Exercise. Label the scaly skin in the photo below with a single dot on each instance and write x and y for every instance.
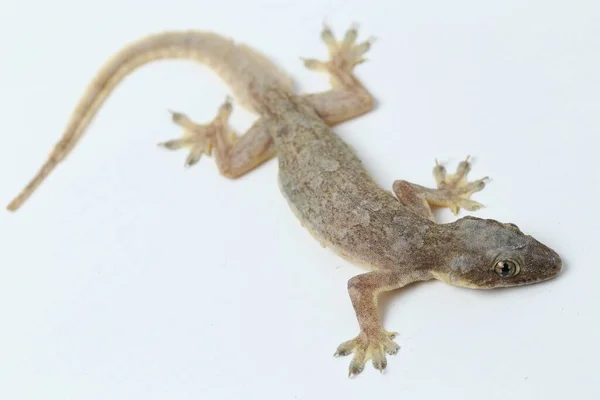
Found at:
(324, 182)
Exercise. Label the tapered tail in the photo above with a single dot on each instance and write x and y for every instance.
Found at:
(240, 66)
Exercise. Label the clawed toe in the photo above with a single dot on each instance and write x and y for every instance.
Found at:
(344, 55)
(455, 189)
(199, 139)
(365, 347)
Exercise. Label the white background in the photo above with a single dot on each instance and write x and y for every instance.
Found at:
(127, 276)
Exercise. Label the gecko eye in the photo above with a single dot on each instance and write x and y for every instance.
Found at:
(506, 268)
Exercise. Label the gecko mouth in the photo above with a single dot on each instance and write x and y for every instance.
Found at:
(552, 273)
(523, 282)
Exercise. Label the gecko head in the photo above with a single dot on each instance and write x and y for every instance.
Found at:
(488, 254)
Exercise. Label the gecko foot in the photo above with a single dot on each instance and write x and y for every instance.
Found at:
(199, 138)
(344, 55)
(455, 190)
(368, 346)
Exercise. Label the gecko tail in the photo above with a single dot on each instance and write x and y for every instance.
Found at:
(238, 65)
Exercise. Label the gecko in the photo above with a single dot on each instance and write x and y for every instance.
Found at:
(391, 233)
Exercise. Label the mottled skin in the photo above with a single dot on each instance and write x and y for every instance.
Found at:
(325, 183)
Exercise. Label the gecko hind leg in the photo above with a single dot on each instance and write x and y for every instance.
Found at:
(348, 98)
(344, 55)
(453, 191)
(234, 155)
(199, 139)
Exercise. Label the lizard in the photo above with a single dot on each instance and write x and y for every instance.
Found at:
(391, 233)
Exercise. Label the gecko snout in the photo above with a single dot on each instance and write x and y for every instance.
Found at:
(558, 264)
(546, 261)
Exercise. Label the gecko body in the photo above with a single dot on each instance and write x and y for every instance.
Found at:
(392, 233)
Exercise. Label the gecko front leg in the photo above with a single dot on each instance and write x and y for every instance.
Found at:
(373, 342)
(453, 191)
